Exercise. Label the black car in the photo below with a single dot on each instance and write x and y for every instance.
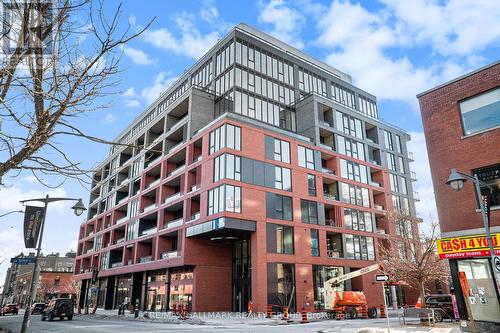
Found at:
(37, 308)
(58, 307)
(443, 306)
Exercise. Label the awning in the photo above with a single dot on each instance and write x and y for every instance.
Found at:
(223, 228)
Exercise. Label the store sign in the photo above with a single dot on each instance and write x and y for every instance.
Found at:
(467, 246)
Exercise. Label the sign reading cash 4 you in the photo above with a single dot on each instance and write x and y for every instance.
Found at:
(467, 246)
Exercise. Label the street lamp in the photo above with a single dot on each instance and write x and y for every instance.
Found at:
(78, 209)
(456, 181)
(14, 211)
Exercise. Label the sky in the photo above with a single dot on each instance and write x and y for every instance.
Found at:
(392, 49)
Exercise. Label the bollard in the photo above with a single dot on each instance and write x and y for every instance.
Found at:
(303, 313)
(285, 313)
(364, 312)
(269, 311)
(382, 311)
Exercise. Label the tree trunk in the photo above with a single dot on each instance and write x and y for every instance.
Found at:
(422, 293)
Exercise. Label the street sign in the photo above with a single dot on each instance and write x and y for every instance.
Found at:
(496, 261)
(381, 278)
(23, 261)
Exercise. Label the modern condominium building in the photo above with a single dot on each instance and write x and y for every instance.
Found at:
(258, 175)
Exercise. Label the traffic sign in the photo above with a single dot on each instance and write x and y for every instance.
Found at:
(496, 261)
(23, 261)
(381, 278)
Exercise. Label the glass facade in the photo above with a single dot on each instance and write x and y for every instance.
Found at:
(181, 287)
(480, 113)
(224, 198)
(156, 291)
(323, 290)
(226, 135)
(279, 239)
(281, 285)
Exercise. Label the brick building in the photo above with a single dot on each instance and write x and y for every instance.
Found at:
(259, 174)
(56, 278)
(462, 128)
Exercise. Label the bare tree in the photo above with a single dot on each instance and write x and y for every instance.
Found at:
(47, 81)
(410, 256)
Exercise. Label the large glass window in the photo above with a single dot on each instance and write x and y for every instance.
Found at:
(324, 292)
(281, 285)
(309, 211)
(227, 166)
(354, 195)
(283, 178)
(391, 161)
(358, 220)
(279, 239)
(354, 171)
(306, 157)
(279, 207)
(226, 135)
(351, 148)
(314, 243)
(359, 247)
(311, 184)
(281, 150)
(349, 125)
(481, 112)
(388, 140)
(224, 198)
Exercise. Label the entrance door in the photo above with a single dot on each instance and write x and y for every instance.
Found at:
(242, 271)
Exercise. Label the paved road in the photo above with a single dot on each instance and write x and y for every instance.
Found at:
(87, 324)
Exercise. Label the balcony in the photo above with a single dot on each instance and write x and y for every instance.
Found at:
(120, 240)
(121, 220)
(154, 183)
(416, 196)
(194, 188)
(116, 264)
(410, 155)
(378, 207)
(332, 223)
(176, 171)
(194, 217)
(333, 254)
(170, 254)
(89, 251)
(413, 176)
(330, 196)
(328, 171)
(196, 159)
(173, 197)
(175, 147)
(174, 223)
(151, 207)
(149, 231)
(376, 184)
(145, 259)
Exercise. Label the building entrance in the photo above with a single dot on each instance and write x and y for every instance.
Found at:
(241, 271)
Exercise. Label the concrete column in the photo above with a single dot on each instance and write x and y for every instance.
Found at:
(394, 297)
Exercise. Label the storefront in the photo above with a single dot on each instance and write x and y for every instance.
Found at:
(123, 290)
(181, 287)
(156, 291)
(323, 291)
(470, 255)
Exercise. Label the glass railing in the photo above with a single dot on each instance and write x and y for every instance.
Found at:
(170, 254)
(149, 208)
(145, 259)
(155, 182)
(173, 224)
(149, 231)
(176, 171)
(333, 254)
(173, 197)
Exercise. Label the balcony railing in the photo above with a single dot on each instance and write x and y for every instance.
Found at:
(149, 208)
(328, 171)
(330, 196)
(194, 188)
(90, 250)
(116, 264)
(416, 196)
(324, 145)
(196, 159)
(175, 147)
(333, 254)
(149, 163)
(122, 200)
(170, 254)
(413, 176)
(173, 197)
(377, 184)
(145, 259)
(410, 155)
(120, 240)
(155, 182)
(194, 217)
(176, 171)
(332, 223)
(378, 207)
(174, 223)
(121, 220)
(149, 231)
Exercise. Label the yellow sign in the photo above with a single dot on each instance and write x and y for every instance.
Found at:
(467, 246)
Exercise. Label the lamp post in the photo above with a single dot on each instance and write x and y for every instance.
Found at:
(14, 211)
(78, 208)
(456, 181)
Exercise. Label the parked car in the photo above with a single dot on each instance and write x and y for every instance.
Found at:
(37, 308)
(58, 307)
(443, 306)
(9, 308)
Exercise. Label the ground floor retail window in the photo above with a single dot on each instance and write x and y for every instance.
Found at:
(324, 293)
(123, 290)
(483, 298)
(155, 292)
(281, 285)
(181, 287)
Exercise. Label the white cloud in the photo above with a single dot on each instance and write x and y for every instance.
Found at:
(209, 12)
(160, 84)
(191, 42)
(130, 92)
(12, 195)
(455, 27)
(109, 119)
(287, 22)
(132, 103)
(137, 56)
(426, 207)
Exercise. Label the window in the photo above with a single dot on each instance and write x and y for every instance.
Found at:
(133, 230)
(394, 182)
(398, 144)
(225, 136)
(401, 164)
(351, 148)
(227, 166)
(224, 198)
(314, 243)
(490, 175)
(311, 184)
(281, 150)
(281, 284)
(354, 195)
(283, 178)
(359, 247)
(404, 187)
(391, 161)
(349, 125)
(279, 207)
(309, 211)
(306, 157)
(480, 113)
(388, 140)
(279, 238)
(358, 220)
(354, 171)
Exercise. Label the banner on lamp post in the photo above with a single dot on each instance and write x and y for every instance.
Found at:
(32, 221)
